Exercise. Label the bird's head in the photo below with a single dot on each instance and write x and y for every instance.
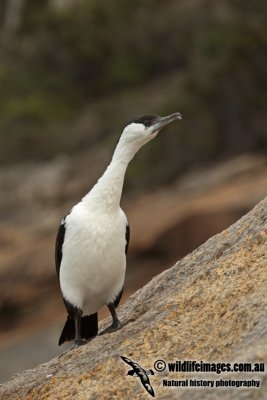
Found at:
(145, 128)
(140, 131)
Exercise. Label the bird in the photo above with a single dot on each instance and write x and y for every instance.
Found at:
(140, 373)
(93, 239)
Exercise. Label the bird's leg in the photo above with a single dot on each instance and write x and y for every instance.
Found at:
(78, 339)
(77, 321)
(116, 324)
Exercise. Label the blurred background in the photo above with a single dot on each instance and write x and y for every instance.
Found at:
(72, 73)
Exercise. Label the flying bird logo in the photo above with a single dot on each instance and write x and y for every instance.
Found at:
(141, 373)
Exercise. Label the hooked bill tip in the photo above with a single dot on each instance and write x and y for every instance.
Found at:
(178, 115)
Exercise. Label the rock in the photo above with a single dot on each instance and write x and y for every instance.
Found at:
(210, 306)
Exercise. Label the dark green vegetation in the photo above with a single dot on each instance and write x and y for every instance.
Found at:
(70, 78)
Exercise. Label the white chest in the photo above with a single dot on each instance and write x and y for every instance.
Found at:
(93, 257)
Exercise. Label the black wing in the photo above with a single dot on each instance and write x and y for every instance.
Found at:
(146, 383)
(127, 237)
(133, 364)
(128, 361)
(59, 244)
(118, 298)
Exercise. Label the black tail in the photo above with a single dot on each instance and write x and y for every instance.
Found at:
(89, 328)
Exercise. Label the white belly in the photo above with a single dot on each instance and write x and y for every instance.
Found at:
(93, 262)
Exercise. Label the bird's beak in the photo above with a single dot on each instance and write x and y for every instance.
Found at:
(161, 122)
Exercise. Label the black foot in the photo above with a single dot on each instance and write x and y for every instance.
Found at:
(113, 327)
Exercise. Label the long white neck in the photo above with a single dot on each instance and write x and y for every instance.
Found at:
(106, 194)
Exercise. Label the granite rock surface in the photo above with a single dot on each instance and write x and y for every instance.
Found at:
(210, 306)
